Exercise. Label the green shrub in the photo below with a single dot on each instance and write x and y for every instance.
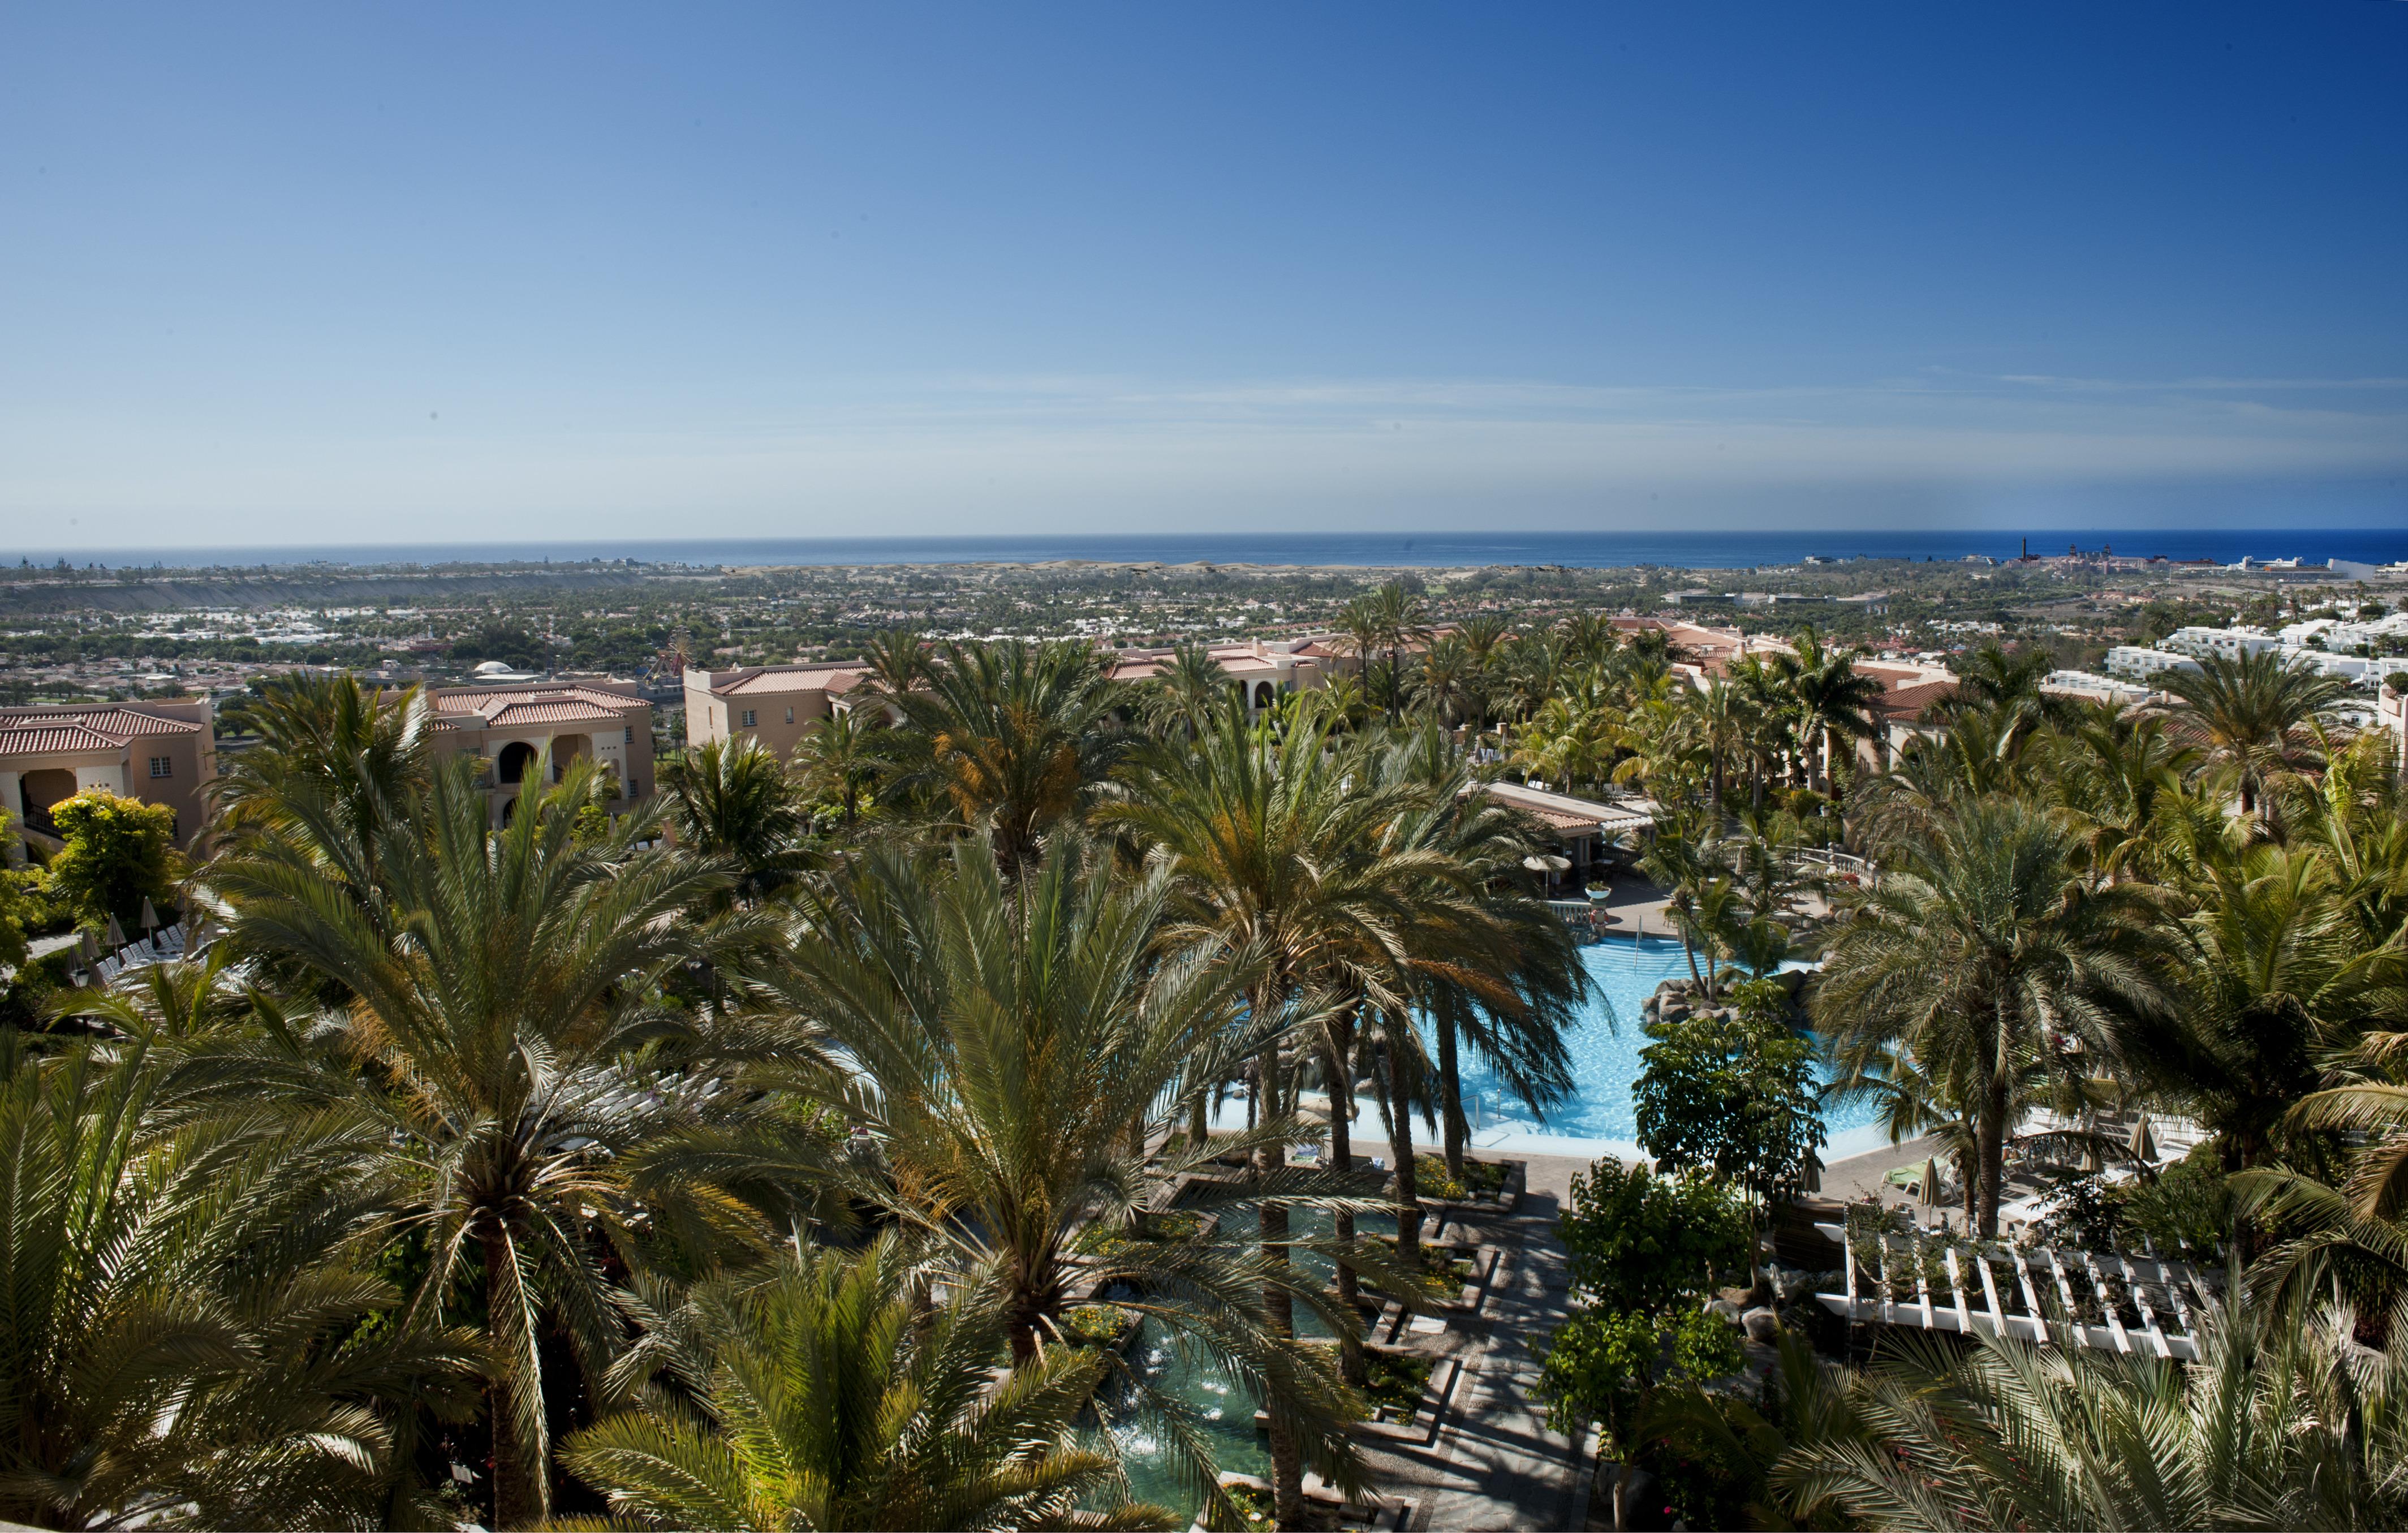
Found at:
(1644, 1242)
(118, 852)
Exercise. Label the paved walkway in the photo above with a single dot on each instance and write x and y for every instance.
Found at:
(1496, 1465)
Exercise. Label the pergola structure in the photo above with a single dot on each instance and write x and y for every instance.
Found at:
(2115, 1301)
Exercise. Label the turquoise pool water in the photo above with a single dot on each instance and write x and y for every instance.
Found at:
(1605, 1061)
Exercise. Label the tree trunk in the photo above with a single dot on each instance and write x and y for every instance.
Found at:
(521, 1492)
(1450, 1098)
(1400, 1145)
(1993, 1151)
(1342, 1156)
(1287, 1465)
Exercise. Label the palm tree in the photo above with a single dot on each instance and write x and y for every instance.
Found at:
(2253, 715)
(1446, 681)
(1012, 1051)
(1493, 966)
(1979, 947)
(365, 750)
(824, 1395)
(733, 799)
(504, 984)
(1012, 734)
(1390, 620)
(2279, 1424)
(337, 768)
(1277, 849)
(1685, 865)
(1834, 700)
(2006, 688)
(192, 1337)
(2273, 974)
(898, 661)
(1190, 692)
(2113, 773)
(841, 758)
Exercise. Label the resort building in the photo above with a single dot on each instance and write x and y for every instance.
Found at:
(510, 726)
(1263, 668)
(159, 752)
(772, 704)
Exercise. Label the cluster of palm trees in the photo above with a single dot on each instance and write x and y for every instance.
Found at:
(769, 1153)
(2198, 904)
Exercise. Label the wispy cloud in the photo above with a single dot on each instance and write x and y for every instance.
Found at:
(955, 452)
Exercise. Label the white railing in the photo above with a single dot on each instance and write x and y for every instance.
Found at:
(1838, 862)
(1902, 1285)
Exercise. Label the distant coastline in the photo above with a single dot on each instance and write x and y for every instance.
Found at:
(1584, 549)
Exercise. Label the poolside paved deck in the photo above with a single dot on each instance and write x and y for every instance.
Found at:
(1496, 1465)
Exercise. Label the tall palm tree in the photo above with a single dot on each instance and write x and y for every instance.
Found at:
(1834, 700)
(1276, 846)
(1494, 968)
(1446, 680)
(733, 799)
(826, 1395)
(192, 1337)
(1012, 1051)
(504, 984)
(1390, 620)
(2253, 715)
(1483, 637)
(2005, 688)
(1981, 944)
(1012, 735)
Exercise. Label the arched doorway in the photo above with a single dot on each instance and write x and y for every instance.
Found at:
(566, 748)
(1263, 694)
(512, 763)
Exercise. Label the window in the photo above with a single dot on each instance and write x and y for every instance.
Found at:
(747, 718)
(163, 766)
(631, 735)
(790, 715)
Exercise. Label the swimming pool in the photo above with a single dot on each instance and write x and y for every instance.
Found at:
(1598, 1119)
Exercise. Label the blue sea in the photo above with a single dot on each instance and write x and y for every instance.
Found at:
(1585, 549)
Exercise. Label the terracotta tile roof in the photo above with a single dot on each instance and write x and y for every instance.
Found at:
(832, 679)
(119, 724)
(500, 709)
(32, 739)
(1906, 704)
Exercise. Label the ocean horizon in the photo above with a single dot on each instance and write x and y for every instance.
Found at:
(1403, 550)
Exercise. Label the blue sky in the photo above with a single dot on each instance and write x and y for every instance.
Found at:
(365, 273)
